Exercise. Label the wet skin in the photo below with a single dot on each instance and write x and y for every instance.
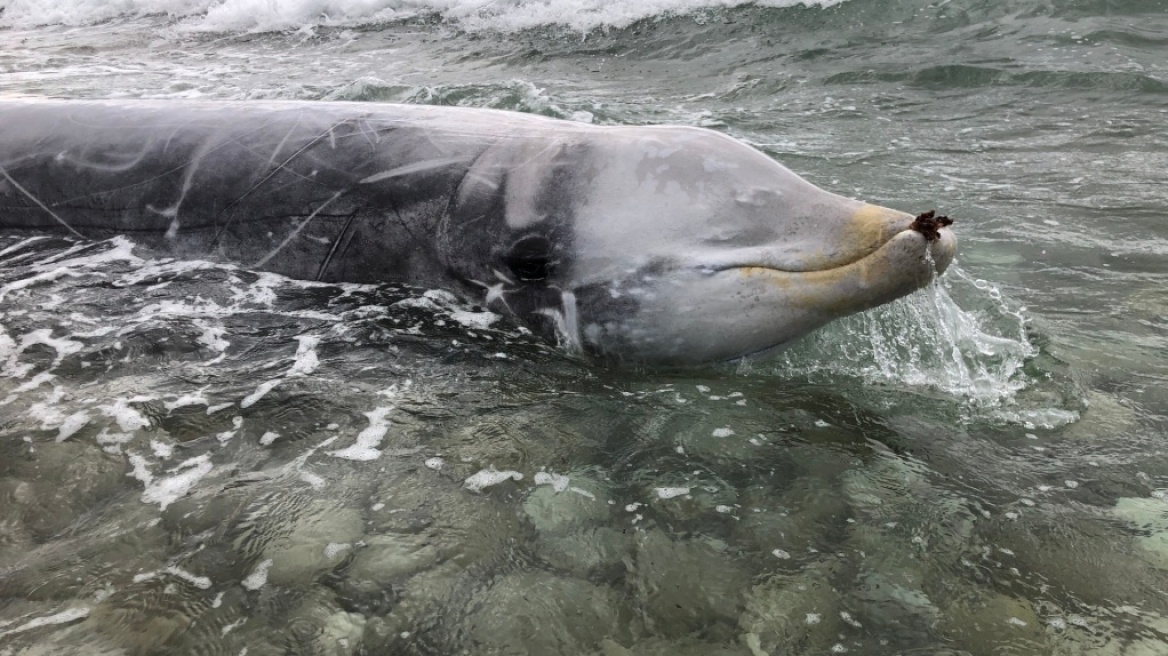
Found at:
(636, 245)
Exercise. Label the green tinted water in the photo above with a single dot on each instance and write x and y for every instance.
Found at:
(199, 459)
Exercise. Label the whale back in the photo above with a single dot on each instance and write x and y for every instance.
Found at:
(327, 192)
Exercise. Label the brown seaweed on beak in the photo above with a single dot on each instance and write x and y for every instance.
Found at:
(928, 224)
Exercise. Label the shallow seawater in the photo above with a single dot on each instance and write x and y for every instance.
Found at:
(200, 459)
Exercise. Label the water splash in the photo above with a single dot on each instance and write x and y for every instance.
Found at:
(974, 350)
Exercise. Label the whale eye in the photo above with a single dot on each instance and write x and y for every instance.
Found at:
(530, 258)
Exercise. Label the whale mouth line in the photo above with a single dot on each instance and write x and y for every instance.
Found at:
(929, 228)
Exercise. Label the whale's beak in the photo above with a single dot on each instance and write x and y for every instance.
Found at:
(943, 249)
(874, 226)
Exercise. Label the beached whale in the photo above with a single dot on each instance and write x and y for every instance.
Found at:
(642, 245)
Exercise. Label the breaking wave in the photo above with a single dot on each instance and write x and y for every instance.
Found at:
(276, 15)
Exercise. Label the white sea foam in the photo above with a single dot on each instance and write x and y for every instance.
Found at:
(489, 477)
(63, 617)
(274, 15)
(128, 419)
(200, 582)
(306, 358)
(10, 355)
(261, 292)
(193, 398)
(68, 263)
(112, 443)
(165, 491)
(369, 439)
(212, 337)
(72, 424)
(671, 492)
(258, 577)
(261, 390)
(140, 469)
(441, 301)
(63, 346)
(31, 384)
(161, 449)
(559, 482)
(47, 410)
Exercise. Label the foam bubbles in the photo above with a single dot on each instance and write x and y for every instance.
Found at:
(64, 347)
(489, 478)
(281, 15)
(72, 424)
(559, 482)
(258, 577)
(260, 392)
(184, 400)
(200, 582)
(306, 359)
(167, 490)
(127, 418)
(63, 617)
(369, 439)
(671, 492)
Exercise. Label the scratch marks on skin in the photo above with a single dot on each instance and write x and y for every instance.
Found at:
(206, 150)
(282, 166)
(344, 236)
(188, 176)
(366, 130)
(36, 200)
(497, 291)
(295, 233)
(119, 167)
(418, 167)
(280, 146)
(571, 321)
(567, 322)
(478, 177)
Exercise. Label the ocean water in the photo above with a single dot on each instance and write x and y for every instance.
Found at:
(200, 459)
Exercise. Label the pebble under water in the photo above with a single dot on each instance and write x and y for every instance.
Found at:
(200, 459)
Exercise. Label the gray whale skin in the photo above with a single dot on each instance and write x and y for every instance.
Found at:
(637, 245)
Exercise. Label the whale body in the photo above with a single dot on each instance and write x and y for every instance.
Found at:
(659, 245)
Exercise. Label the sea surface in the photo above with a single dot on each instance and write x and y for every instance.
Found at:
(200, 459)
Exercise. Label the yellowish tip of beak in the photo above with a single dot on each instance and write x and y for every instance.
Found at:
(870, 227)
(869, 213)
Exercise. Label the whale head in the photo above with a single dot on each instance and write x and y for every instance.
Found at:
(676, 246)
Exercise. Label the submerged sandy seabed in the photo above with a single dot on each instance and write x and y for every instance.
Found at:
(201, 459)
